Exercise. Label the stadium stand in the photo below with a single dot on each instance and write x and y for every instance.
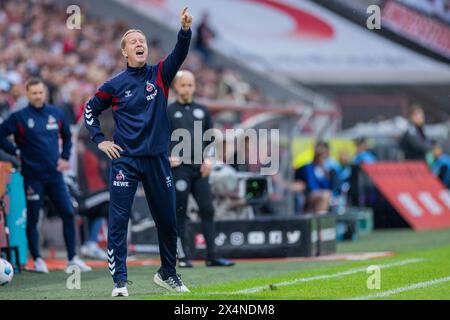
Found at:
(35, 42)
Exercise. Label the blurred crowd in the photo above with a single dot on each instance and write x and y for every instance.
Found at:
(327, 184)
(34, 41)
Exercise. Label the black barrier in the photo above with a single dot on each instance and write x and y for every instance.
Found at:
(264, 237)
(327, 234)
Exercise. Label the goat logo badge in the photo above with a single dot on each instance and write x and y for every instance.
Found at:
(120, 180)
(151, 89)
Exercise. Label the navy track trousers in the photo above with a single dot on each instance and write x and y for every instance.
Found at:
(156, 177)
(56, 189)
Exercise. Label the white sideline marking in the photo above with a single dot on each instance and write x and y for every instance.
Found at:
(403, 289)
(328, 276)
(313, 278)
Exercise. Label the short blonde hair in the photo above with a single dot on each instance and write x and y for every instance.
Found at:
(123, 41)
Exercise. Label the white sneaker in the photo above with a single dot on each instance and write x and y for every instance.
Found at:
(84, 250)
(172, 283)
(93, 251)
(76, 261)
(120, 289)
(40, 266)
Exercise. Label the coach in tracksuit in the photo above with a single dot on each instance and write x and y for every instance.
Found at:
(37, 129)
(138, 97)
(191, 171)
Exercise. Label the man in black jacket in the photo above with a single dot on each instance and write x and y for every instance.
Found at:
(191, 171)
(414, 142)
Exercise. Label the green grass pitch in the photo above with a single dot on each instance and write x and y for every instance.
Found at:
(419, 270)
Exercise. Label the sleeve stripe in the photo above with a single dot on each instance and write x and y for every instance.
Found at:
(103, 95)
(159, 81)
(115, 103)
